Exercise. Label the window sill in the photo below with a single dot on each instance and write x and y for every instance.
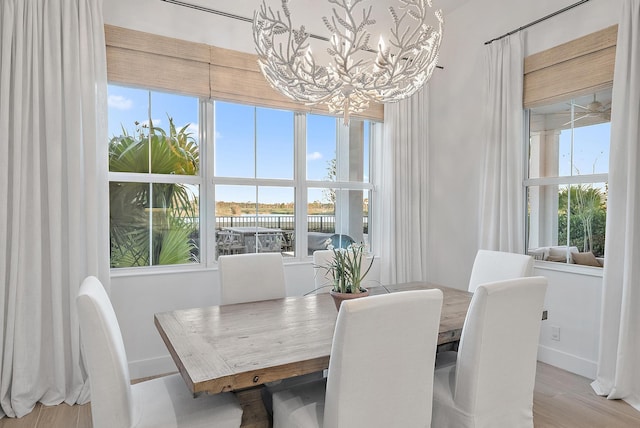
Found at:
(156, 270)
(190, 268)
(570, 268)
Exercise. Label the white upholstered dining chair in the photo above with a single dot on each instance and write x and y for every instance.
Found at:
(161, 402)
(491, 266)
(490, 381)
(321, 276)
(251, 277)
(380, 369)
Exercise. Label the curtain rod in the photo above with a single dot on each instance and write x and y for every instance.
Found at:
(544, 18)
(226, 14)
(245, 19)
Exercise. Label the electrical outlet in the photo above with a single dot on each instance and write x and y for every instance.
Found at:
(555, 332)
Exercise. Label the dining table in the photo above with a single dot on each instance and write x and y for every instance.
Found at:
(235, 347)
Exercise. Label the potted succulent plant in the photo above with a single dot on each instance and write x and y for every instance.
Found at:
(346, 270)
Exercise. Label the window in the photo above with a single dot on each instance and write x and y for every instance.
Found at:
(568, 147)
(567, 178)
(263, 179)
(154, 178)
(338, 177)
(288, 182)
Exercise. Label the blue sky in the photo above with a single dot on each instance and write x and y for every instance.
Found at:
(128, 105)
(235, 132)
(590, 150)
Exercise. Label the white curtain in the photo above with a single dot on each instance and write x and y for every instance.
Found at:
(403, 190)
(502, 195)
(618, 364)
(53, 188)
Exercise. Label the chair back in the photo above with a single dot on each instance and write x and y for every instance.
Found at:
(496, 365)
(491, 266)
(382, 361)
(251, 277)
(105, 358)
(341, 241)
(322, 277)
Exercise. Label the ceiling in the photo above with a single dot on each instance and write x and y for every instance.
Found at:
(603, 96)
(586, 112)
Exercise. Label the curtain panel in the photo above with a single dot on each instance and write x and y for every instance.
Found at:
(53, 184)
(618, 375)
(403, 195)
(502, 192)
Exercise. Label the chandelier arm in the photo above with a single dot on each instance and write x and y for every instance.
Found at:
(430, 62)
(392, 85)
(341, 35)
(344, 4)
(341, 50)
(392, 61)
(405, 35)
(289, 26)
(275, 18)
(353, 39)
(350, 24)
(401, 65)
(362, 41)
(295, 48)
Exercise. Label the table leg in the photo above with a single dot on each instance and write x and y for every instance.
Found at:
(254, 413)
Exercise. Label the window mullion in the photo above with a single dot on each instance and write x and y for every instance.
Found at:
(208, 203)
(134, 177)
(575, 179)
(340, 184)
(300, 183)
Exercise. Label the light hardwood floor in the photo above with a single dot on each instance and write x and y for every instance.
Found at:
(561, 399)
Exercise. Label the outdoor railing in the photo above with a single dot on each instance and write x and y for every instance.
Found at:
(316, 223)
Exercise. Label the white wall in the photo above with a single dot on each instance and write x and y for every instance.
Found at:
(573, 304)
(158, 17)
(458, 113)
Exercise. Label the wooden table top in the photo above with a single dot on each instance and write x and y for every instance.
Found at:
(231, 347)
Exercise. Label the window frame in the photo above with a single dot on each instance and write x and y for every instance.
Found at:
(567, 180)
(155, 178)
(207, 182)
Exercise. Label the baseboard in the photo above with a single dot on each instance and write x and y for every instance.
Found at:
(151, 367)
(568, 362)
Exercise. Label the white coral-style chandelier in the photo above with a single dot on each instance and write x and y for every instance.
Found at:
(357, 74)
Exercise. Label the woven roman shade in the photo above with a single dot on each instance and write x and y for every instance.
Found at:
(575, 68)
(163, 63)
(157, 62)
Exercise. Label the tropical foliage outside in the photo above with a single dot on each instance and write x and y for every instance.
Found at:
(153, 223)
(587, 217)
